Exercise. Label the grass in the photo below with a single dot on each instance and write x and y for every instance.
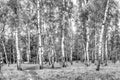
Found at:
(77, 71)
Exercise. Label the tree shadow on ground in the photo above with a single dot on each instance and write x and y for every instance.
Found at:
(52, 68)
(31, 68)
(44, 67)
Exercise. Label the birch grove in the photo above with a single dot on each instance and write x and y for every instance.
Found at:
(59, 31)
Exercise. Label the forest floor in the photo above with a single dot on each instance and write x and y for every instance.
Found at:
(77, 71)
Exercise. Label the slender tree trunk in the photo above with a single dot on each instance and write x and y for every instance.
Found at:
(62, 47)
(63, 37)
(12, 47)
(18, 51)
(39, 35)
(52, 58)
(87, 40)
(101, 36)
(71, 55)
(87, 46)
(1, 60)
(106, 52)
(49, 56)
(28, 52)
(13, 56)
(6, 57)
(85, 58)
(14, 59)
(71, 43)
(103, 50)
(95, 46)
(10, 58)
(53, 52)
(93, 57)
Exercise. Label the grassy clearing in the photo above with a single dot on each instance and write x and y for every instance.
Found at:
(78, 71)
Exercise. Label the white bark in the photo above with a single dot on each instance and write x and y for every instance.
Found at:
(87, 45)
(95, 46)
(102, 30)
(62, 44)
(62, 41)
(101, 36)
(106, 51)
(28, 51)
(39, 35)
(17, 50)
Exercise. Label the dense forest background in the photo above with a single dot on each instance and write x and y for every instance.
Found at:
(38, 31)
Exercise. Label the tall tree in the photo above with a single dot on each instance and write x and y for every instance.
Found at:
(87, 36)
(14, 4)
(40, 52)
(101, 35)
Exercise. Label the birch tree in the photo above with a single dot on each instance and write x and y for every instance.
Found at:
(101, 36)
(40, 47)
(14, 5)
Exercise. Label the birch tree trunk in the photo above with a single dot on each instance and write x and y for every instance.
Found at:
(87, 41)
(71, 43)
(103, 50)
(18, 51)
(39, 35)
(14, 59)
(62, 47)
(101, 36)
(95, 47)
(53, 52)
(87, 46)
(71, 55)
(28, 51)
(106, 52)
(13, 50)
(62, 41)
(52, 58)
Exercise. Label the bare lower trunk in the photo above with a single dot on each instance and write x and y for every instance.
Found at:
(95, 47)
(52, 58)
(100, 49)
(103, 50)
(14, 56)
(62, 47)
(85, 53)
(93, 57)
(18, 51)
(101, 37)
(28, 52)
(87, 47)
(53, 52)
(71, 43)
(49, 56)
(106, 53)
(71, 55)
(10, 58)
(12, 48)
